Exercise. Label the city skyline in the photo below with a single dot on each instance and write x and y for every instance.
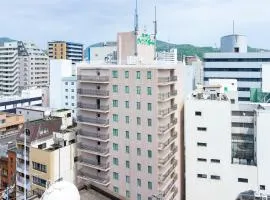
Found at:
(200, 22)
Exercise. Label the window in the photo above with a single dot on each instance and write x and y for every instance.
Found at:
(138, 75)
(66, 83)
(66, 97)
(149, 75)
(115, 117)
(139, 182)
(201, 160)
(126, 89)
(150, 185)
(115, 88)
(138, 105)
(72, 97)
(115, 74)
(39, 181)
(139, 136)
(215, 161)
(149, 122)
(149, 138)
(139, 167)
(138, 89)
(72, 83)
(243, 180)
(200, 144)
(39, 167)
(127, 119)
(73, 104)
(215, 177)
(115, 103)
(72, 90)
(138, 121)
(139, 197)
(126, 74)
(127, 134)
(115, 161)
(201, 128)
(127, 164)
(127, 149)
(262, 187)
(115, 176)
(66, 90)
(115, 132)
(139, 152)
(149, 91)
(201, 175)
(149, 153)
(127, 179)
(232, 101)
(149, 169)
(115, 189)
(115, 147)
(198, 113)
(127, 193)
(127, 104)
(149, 106)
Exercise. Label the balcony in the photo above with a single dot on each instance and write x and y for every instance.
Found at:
(20, 182)
(164, 128)
(174, 193)
(167, 95)
(93, 107)
(93, 121)
(164, 160)
(20, 168)
(93, 79)
(93, 164)
(163, 177)
(97, 150)
(20, 154)
(93, 93)
(167, 80)
(163, 145)
(167, 111)
(102, 180)
(168, 188)
(93, 136)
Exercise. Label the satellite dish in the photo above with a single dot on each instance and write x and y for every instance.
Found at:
(61, 190)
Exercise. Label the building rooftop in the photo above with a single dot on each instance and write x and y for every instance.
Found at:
(70, 78)
(36, 108)
(237, 55)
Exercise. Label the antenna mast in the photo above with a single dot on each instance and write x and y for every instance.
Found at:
(233, 27)
(155, 29)
(136, 27)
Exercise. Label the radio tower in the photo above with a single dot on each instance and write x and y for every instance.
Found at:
(136, 27)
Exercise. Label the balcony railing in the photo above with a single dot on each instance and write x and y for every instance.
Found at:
(164, 128)
(103, 180)
(166, 111)
(167, 95)
(104, 151)
(93, 106)
(93, 78)
(163, 145)
(20, 167)
(89, 120)
(167, 79)
(20, 154)
(164, 160)
(168, 188)
(163, 177)
(94, 164)
(97, 135)
(90, 92)
(175, 191)
(20, 181)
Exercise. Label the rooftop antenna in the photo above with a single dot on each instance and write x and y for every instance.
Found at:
(233, 27)
(136, 26)
(155, 29)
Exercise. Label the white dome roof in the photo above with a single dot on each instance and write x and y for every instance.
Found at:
(61, 190)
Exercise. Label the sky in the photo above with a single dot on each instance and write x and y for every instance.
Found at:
(197, 22)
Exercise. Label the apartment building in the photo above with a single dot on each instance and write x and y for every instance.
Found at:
(225, 144)
(128, 129)
(66, 50)
(22, 65)
(63, 89)
(10, 124)
(51, 160)
(234, 62)
(31, 131)
(7, 170)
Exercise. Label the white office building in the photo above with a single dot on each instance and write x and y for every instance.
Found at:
(63, 89)
(169, 57)
(128, 129)
(225, 145)
(234, 62)
(22, 65)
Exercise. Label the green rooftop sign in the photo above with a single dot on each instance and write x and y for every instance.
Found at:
(145, 39)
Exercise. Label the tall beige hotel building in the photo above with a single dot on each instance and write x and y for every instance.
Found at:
(128, 123)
